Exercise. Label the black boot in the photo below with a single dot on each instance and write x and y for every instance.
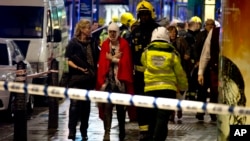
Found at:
(84, 136)
(200, 116)
(73, 119)
(72, 135)
(121, 115)
(122, 133)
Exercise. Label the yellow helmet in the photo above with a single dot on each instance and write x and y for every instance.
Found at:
(195, 19)
(132, 22)
(115, 19)
(146, 6)
(127, 18)
(101, 21)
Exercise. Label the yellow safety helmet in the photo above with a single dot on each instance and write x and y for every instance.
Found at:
(127, 18)
(101, 21)
(146, 6)
(195, 19)
(115, 19)
(132, 22)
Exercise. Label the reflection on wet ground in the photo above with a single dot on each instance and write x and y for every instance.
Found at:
(187, 129)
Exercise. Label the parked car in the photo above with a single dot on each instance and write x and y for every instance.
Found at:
(10, 55)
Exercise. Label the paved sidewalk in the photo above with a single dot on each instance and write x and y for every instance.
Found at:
(189, 129)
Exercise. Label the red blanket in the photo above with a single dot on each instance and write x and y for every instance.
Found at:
(125, 68)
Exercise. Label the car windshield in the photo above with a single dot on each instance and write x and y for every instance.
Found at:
(21, 22)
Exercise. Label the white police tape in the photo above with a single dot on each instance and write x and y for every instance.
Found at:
(123, 99)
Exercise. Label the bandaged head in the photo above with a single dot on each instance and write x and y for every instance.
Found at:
(111, 28)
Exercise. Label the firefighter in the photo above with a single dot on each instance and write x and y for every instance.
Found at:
(126, 20)
(194, 26)
(141, 36)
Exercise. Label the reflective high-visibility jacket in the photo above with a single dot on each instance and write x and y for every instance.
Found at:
(103, 36)
(163, 68)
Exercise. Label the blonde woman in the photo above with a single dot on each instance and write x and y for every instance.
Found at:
(81, 54)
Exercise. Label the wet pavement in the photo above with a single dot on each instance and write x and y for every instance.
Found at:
(186, 129)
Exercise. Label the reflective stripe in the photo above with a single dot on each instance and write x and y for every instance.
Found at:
(140, 68)
(159, 71)
(143, 128)
(159, 83)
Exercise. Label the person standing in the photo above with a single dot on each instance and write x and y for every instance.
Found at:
(183, 49)
(202, 93)
(140, 37)
(127, 19)
(194, 26)
(114, 74)
(210, 58)
(162, 62)
(81, 60)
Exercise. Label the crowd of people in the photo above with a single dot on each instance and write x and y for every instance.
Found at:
(142, 57)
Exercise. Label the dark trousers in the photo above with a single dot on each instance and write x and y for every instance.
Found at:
(192, 84)
(79, 110)
(142, 115)
(202, 93)
(214, 87)
(158, 118)
(121, 115)
(214, 93)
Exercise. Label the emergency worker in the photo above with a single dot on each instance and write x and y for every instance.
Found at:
(194, 26)
(141, 36)
(162, 62)
(127, 20)
(197, 22)
(115, 19)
